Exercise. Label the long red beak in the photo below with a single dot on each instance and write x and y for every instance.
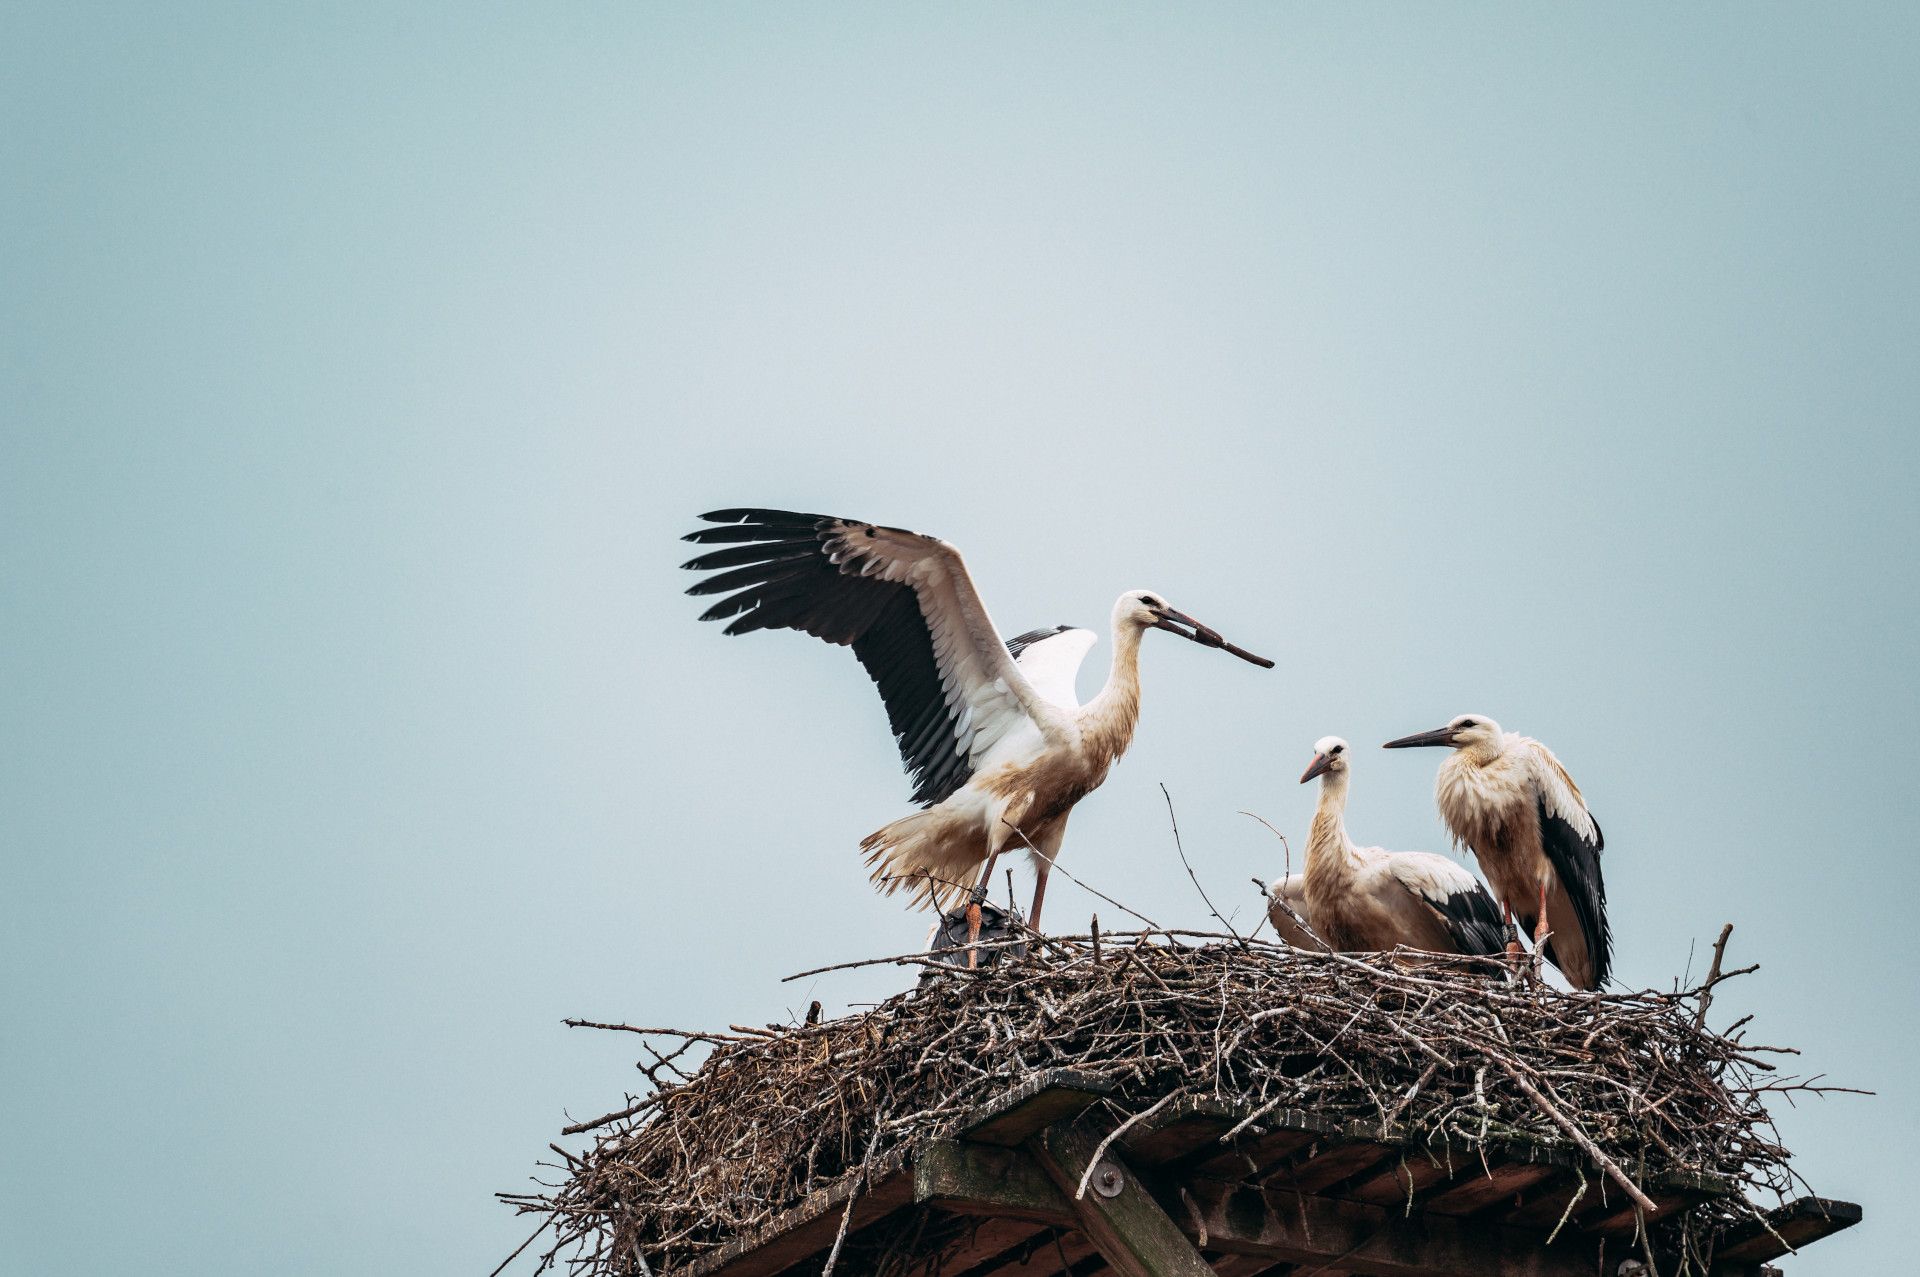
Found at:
(1318, 766)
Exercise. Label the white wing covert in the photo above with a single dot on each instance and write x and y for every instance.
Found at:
(1051, 660)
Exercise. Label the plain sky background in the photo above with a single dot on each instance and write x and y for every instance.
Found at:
(359, 367)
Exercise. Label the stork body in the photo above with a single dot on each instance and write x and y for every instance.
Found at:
(1288, 908)
(1507, 798)
(992, 733)
(1367, 899)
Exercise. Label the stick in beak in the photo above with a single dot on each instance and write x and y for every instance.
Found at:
(1172, 621)
(1315, 768)
(1439, 736)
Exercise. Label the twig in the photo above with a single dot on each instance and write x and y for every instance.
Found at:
(1713, 977)
(1100, 1149)
(853, 1195)
(1054, 864)
(1580, 1137)
(1175, 822)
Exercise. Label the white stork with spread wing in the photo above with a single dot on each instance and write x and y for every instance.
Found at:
(1507, 798)
(1364, 899)
(997, 744)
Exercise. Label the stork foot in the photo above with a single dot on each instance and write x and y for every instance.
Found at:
(976, 937)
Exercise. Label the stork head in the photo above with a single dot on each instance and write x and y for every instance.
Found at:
(1468, 731)
(1329, 759)
(1147, 610)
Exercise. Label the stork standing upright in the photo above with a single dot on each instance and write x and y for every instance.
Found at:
(999, 748)
(1367, 899)
(1507, 798)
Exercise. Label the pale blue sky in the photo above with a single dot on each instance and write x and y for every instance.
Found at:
(360, 365)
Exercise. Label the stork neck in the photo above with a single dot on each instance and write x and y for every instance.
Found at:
(1327, 839)
(1111, 715)
(1484, 753)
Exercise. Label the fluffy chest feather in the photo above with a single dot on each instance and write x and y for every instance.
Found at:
(1490, 809)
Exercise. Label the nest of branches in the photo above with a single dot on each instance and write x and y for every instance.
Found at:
(741, 1126)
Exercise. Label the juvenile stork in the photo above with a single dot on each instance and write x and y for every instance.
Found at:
(1507, 798)
(1287, 909)
(1366, 899)
(999, 748)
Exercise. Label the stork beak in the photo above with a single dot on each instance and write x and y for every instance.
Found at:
(1439, 736)
(1317, 767)
(1187, 628)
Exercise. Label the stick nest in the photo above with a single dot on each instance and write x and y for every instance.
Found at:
(723, 1144)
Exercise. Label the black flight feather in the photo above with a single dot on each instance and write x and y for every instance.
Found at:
(1577, 864)
(775, 574)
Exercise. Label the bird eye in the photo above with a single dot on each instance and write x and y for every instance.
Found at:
(1468, 722)
(1149, 600)
(1336, 749)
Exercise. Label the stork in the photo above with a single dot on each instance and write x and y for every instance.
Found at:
(1506, 797)
(996, 742)
(1287, 909)
(1367, 899)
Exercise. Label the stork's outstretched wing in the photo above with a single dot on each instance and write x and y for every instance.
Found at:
(904, 602)
(1572, 841)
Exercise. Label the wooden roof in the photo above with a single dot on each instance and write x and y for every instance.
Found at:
(1284, 1192)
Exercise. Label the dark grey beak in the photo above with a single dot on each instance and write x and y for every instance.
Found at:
(1439, 736)
(1187, 628)
(1317, 767)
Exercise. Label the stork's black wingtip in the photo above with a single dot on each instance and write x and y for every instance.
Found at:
(726, 516)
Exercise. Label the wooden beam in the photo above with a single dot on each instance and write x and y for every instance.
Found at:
(810, 1227)
(1306, 1229)
(1671, 1194)
(986, 1180)
(1798, 1223)
(1500, 1173)
(1013, 1116)
(988, 1248)
(1181, 1129)
(1117, 1210)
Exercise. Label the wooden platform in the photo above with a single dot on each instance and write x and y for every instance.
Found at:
(1204, 1188)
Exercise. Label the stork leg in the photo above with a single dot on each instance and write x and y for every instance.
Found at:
(1040, 871)
(1540, 931)
(1513, 935)
(974, 899)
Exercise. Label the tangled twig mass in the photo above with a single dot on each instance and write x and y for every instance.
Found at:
(720, 1147)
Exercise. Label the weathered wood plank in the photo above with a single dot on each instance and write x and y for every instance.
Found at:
(1504, 1173)
(810, 1227)
(1375, 1240)
(991, 1245)
(1244, 1265)
(1332, 1162)
(1049, 1097)
(1798, 1223)
(1273, 1139)
(1118, 1212)
(985, 1179)
(1671, 1194)
(1404, 1179)
(1181, 1129)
